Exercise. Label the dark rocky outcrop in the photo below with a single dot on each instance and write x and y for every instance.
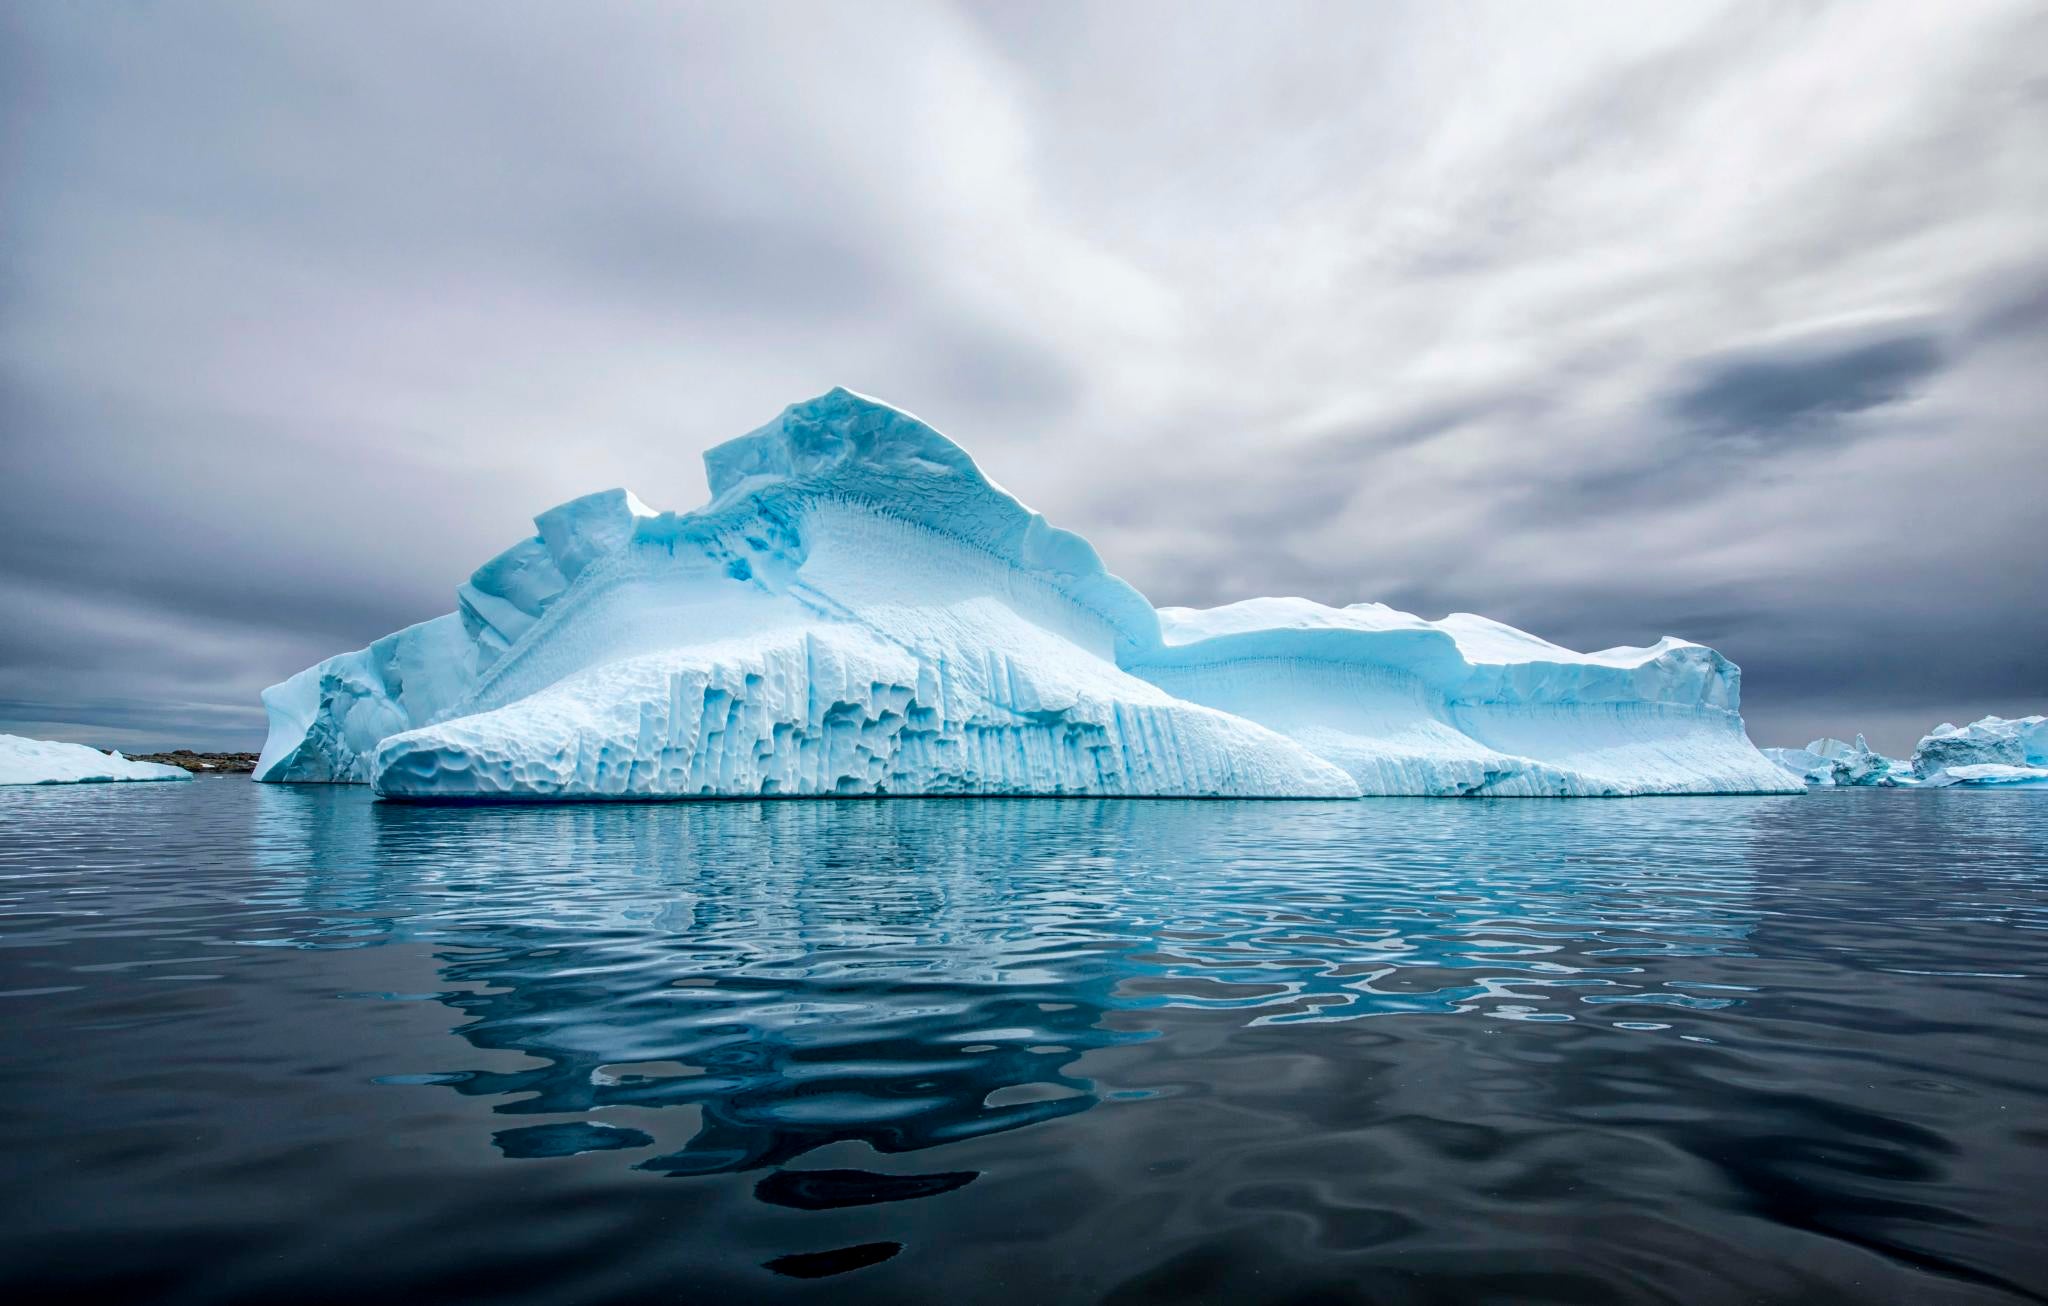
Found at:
(201, 763)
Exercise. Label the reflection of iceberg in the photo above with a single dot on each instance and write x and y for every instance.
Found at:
(765, 986)
(913, 974)
(861, 610)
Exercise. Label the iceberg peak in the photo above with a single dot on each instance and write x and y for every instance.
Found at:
(851, 448)
(815, 437)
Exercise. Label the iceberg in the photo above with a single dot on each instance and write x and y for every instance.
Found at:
(861, 610)
(1834, 762)
(46, 762)
(1991, 751)
(858, 610)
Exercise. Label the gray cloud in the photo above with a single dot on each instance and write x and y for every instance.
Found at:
(1775, 391)
(1607, 321)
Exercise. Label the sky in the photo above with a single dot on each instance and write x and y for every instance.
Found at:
(1608, 321)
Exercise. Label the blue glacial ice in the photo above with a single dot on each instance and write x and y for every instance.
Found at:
(861, 610)
(1465, 705)
(1826, 763)
(26, 761)
(1990, 751)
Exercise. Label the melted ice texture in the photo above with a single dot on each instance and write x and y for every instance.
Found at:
(46, 762)
(860, 610)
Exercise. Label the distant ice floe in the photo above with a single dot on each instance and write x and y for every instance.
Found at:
(47, 762)
(860, 610)
(1989, 752)
(1831, 762)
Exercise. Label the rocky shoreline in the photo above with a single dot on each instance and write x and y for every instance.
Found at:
(201, 763)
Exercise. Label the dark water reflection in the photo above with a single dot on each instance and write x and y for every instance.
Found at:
(273, 1043)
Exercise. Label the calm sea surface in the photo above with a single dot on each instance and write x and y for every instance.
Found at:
(277, 1045)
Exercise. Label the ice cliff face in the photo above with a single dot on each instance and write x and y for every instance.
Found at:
(860, 610)
(47, 762)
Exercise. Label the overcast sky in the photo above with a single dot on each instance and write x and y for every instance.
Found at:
(1609, 321)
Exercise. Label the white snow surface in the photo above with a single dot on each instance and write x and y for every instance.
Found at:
(46, 762)
(860, 610)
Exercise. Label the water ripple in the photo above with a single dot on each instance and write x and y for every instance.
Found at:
(1691, 1050)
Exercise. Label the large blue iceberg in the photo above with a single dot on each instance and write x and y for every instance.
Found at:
(860, 610)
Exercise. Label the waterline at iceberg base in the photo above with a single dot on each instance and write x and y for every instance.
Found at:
(859, 610)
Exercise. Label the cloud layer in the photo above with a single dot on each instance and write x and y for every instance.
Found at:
(1608, 321)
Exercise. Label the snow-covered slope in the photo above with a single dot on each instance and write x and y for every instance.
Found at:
(1466, 705)
(860, 610)
(47, 762)
(1835, 762)
(1989, 751)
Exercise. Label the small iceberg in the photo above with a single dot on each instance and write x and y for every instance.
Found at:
(1827, 763)
(1993, 750)
(47, 762)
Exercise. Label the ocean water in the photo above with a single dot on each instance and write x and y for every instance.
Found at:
(271, 1044)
